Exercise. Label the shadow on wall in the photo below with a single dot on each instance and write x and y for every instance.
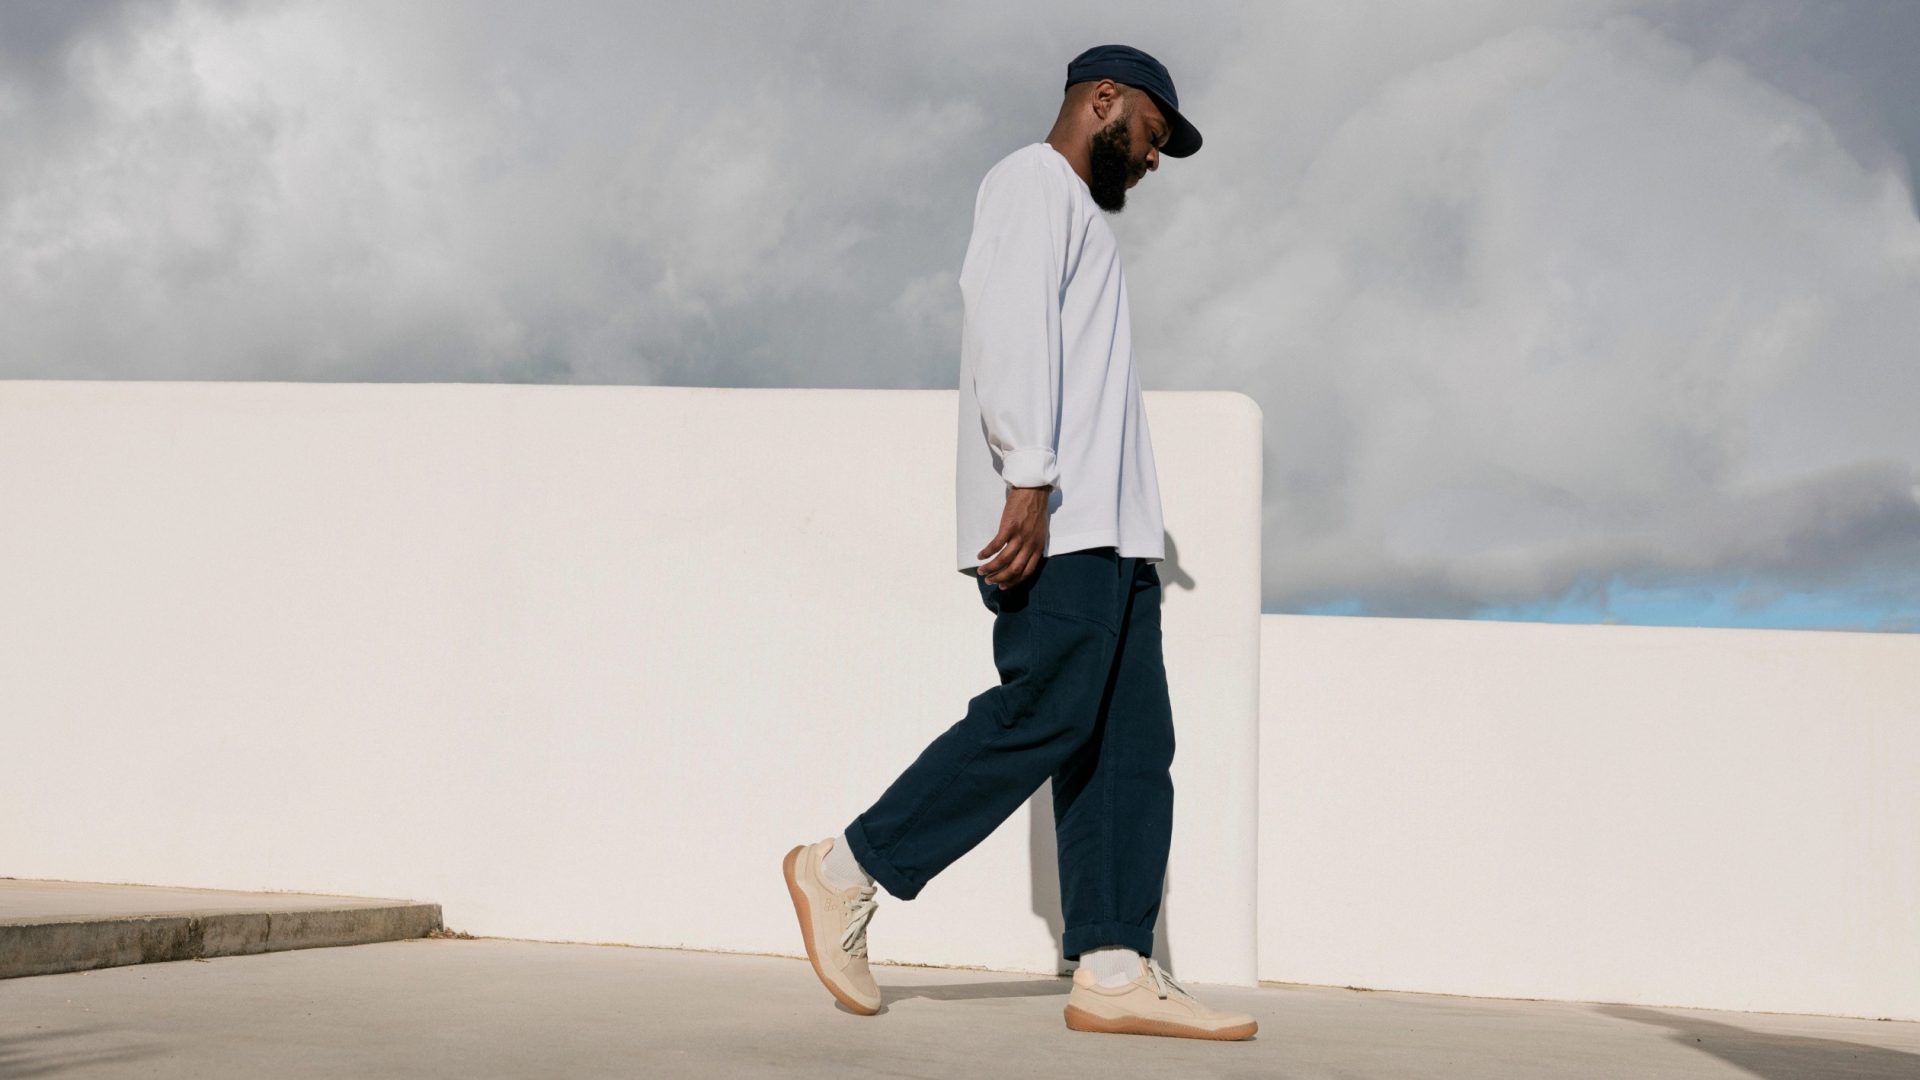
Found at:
(1171, 576)
(1045, 874)
(1042, 851)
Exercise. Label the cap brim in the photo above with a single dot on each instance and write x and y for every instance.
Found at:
(1182, 137)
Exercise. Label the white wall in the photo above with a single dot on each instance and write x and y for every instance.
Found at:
(575, 662)
(583, 662)
(1688, 817)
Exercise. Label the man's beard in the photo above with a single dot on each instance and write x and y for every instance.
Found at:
(1110, 161)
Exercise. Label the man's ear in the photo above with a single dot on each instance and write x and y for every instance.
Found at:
(1105, 97)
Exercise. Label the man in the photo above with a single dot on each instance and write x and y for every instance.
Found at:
(1059, 517)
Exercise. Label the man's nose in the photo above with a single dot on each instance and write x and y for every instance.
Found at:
(1153, 158)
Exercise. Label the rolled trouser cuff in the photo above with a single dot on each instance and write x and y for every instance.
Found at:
(1079, 939)
(898, 885)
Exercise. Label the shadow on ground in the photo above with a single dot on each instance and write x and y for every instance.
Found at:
(42, 1053)
(1775, 1056)
(1038, 987)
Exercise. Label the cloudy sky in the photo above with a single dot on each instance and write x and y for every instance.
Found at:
(1583, 311)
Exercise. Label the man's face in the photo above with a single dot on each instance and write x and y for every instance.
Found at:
(1126, 150)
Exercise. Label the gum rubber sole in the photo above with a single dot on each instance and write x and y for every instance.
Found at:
(805, 911)
(1080, 1019)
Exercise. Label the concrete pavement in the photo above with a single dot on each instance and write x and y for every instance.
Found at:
(496, 1008)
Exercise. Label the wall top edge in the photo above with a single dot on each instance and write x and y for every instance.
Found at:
(1514, 626)
(282, 384)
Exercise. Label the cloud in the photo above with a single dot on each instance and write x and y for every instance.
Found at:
(1562, 303)
(1853, 62)
(1534, 297)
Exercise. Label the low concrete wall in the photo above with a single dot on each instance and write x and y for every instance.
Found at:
(577, 663)
(1718, 818)
(582, 663)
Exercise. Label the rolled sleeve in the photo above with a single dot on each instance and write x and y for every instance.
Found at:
(1029, 468)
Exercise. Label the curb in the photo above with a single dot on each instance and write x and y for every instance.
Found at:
(50, 946)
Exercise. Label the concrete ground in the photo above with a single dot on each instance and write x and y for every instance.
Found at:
(495, 1008)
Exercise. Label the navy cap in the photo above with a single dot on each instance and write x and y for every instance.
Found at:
(1129, 66)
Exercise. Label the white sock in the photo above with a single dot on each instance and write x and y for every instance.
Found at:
(840, 868)
(1112, 965)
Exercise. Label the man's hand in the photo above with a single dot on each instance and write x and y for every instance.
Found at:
(1023, 531)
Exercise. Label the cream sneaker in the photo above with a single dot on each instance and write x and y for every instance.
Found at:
(834, 924)
(1152, 1004)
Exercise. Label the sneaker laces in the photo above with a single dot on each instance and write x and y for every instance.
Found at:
(854, 939)
(1161, 980)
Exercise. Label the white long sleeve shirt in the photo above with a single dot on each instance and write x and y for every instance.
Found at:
(1048, 391)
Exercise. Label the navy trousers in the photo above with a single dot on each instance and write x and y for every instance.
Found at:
(1082, 700)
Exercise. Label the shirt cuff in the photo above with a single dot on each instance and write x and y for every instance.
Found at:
(1029, 468)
